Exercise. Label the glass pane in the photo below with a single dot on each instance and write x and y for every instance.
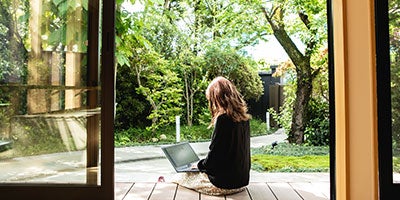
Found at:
(394, 31)
(49, 110)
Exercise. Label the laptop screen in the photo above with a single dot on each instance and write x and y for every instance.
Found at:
(181, 154)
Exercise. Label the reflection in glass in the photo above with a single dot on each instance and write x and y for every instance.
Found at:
(49, 110)
(394, 31)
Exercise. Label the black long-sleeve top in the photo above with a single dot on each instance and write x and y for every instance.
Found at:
(228, 162)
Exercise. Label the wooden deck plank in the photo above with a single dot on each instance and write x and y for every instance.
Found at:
(139, 191)
(260, 191)
(308, 191)
(239, 196)
(283, 191)
(183, 193)
(209, 197)
(121, 189)
(324, 187)
(255, 191)
(164, 191)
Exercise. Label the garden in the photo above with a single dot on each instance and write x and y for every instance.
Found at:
(167, 53)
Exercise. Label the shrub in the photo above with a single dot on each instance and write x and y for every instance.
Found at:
(258, 127)
(396, 164)
(286, 149)
(195, 133)
(317, 126)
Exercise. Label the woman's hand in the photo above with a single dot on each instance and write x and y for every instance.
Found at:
(194, 165)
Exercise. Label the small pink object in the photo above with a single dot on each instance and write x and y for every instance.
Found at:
(161, 179)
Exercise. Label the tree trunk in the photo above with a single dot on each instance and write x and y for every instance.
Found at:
(153, 104)
(304, 74)
(37, 74)
(190, 122)
(299, 116)
(304, 80)
(187, 96)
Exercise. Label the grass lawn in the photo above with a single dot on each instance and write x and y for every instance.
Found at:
(396, 163)
(290, 158)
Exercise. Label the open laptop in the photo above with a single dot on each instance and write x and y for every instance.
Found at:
(181, 156)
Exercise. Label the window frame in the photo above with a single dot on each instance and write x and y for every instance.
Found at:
(106, 10)
(387, 188)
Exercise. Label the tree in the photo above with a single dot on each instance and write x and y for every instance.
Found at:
(307, 20)
(192, 70)
(198, 40)
(13, 53)
(217, 26)
(240, 70)
(154, 78)
(161, 87)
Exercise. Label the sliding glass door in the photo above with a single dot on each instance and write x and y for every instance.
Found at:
(56, 107)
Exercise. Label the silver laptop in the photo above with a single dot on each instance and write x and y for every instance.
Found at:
(181, 156)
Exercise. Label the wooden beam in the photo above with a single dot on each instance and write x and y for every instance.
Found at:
(355, 96)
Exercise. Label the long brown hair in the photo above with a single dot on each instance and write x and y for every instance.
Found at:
(223, 97)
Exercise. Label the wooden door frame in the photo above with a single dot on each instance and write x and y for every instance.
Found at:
(108, 76)
(356, 146)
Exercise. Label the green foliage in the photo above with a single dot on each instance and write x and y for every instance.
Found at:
(283, 116)
(317, 125)
(132, 136)
(161, 88)
(138, 136)
(163, 35)
(242, 71)
(195, 133)
(64, 24)
(396, 164)
(12, 51)
(273, 163)
(291, 158)
(231, 23)
(34, 137)
(158, 41)
(307, 21)
(258, 127)
(164, 94)
(152, 76)
(286, 149)
(193, 75)
(394, 16)
(4, 120)
(205, 116)
(132, 108)
(160, 44)
(316, 14)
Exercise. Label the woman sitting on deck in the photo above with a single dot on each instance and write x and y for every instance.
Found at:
(226, 169)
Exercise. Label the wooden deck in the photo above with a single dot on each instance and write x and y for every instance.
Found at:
(254, 191)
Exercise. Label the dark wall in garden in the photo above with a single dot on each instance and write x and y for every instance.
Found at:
(272, 97)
